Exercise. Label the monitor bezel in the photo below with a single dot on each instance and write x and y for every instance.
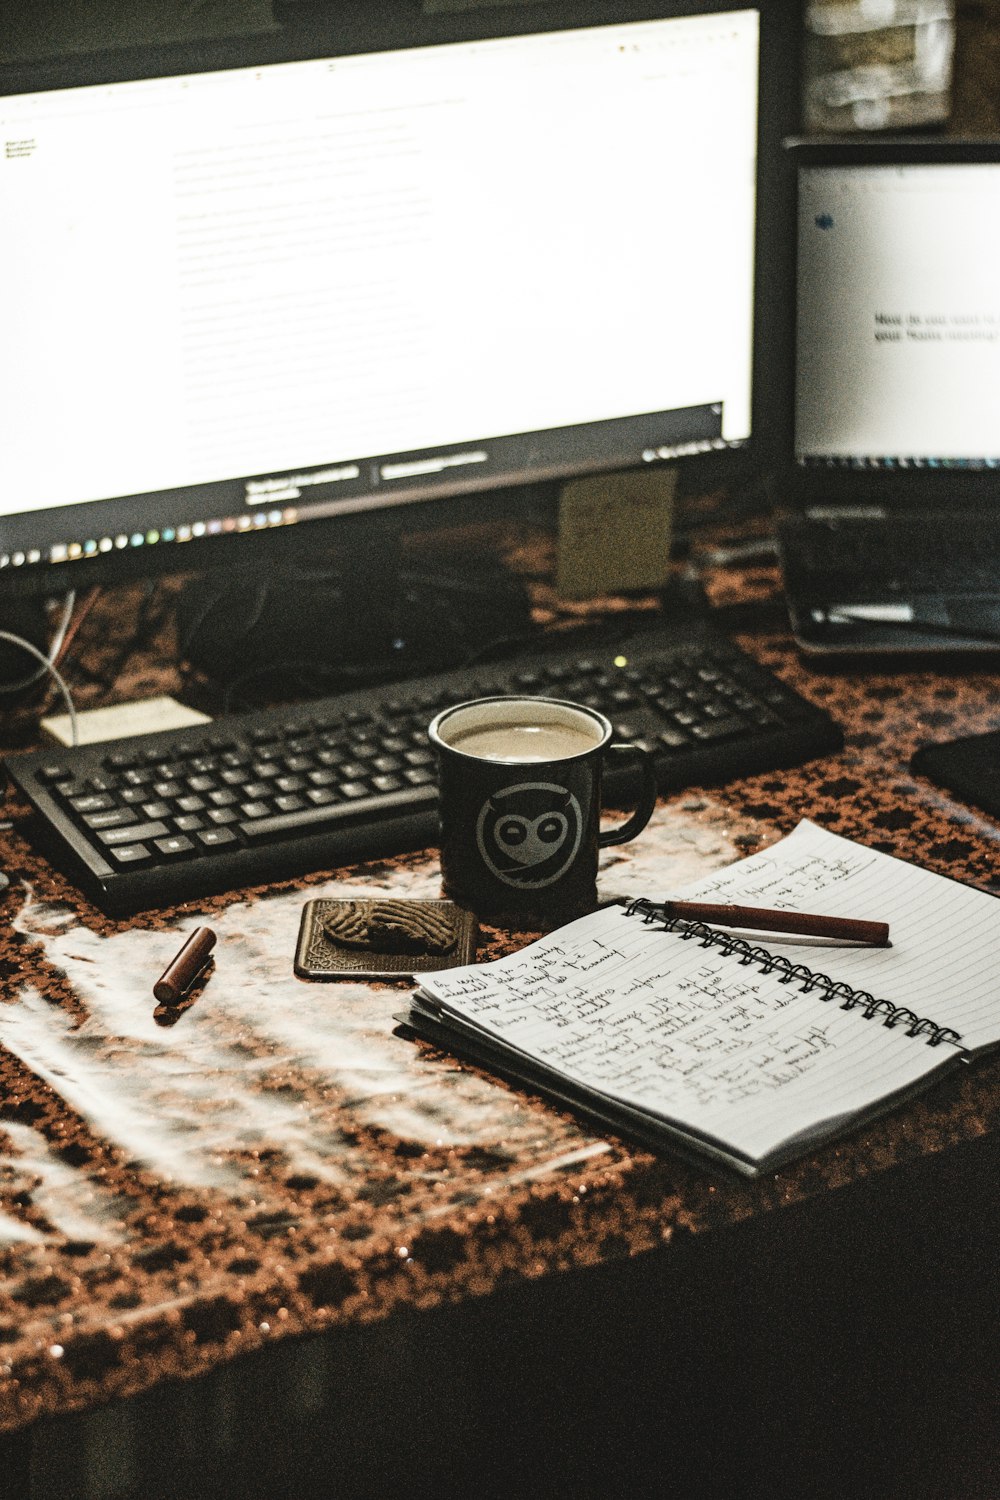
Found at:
(396, 26)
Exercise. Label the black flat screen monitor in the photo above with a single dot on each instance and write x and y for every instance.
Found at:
(249, 289)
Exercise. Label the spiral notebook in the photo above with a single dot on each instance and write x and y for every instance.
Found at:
(748, 1053)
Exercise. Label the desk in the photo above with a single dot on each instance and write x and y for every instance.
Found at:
(386, 1262)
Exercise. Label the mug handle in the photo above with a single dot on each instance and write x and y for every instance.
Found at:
(647, 800)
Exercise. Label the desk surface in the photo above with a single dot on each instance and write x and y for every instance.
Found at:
(278, 1162)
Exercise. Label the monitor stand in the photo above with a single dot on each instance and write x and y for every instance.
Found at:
(361, 620)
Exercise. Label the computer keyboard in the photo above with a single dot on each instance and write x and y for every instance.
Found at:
(162, 818)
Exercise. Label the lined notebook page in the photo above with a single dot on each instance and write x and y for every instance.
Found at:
(945, 936)
(689, 1033)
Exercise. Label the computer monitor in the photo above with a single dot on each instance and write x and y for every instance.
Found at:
(248, 289)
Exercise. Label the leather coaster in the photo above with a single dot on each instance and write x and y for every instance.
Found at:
(317, 956)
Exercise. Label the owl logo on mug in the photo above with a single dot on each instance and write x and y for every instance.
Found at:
(528, 834)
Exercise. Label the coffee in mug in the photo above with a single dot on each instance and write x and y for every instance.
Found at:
(513, 739)
(520, 803)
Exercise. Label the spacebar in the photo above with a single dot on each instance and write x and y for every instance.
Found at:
(372, 810)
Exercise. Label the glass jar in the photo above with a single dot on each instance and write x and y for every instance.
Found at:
(877, 64)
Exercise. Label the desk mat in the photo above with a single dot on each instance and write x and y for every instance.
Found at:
(274, 1164)
(178, 1186)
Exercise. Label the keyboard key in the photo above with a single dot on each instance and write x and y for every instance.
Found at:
(110, 837)
(718, 729)
(174, 845)
(220, 816)
(114, 817)
(354, 789)
(91, 802)
(288, 803)
(154, 810)
(216, 838)
(129, 854)
(122, 760)
(386, 783)
(673, 739)
(54, 772)
(322, 778)
(189, 822)
(255, 809)
(353, 770)
(103, 783)
(314, 818)
(290, 783)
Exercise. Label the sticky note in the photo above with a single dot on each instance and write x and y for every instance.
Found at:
(123, 719)
(614, 533)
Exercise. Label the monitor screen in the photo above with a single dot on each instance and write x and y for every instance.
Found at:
(240, 298)
(897, 304)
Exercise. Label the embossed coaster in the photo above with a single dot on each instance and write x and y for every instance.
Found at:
(382, 938)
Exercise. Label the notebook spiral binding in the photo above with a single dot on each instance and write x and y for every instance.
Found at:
(795, 973)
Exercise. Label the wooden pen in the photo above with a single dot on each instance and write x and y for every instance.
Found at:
(804, 924)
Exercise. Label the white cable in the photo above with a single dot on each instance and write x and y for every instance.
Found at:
(17, 640)
(69, 604)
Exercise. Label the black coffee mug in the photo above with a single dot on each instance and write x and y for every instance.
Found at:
(520, 805)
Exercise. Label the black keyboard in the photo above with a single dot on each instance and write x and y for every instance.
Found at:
(246, 799)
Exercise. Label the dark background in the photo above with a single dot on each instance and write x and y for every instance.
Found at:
(45, 28)
(846, 1348)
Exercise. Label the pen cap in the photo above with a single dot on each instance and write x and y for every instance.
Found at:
(179, 975)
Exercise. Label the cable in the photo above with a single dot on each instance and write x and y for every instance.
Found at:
(59, 638)
(86, 605)
(18, 640)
